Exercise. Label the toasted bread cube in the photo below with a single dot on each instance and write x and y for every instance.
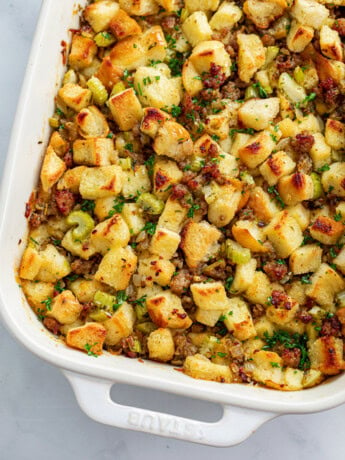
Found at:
(52, 169)
(258, 113)
(330, 43)
(101, 182)
(74, 96)
(173, 216)
(299, 37)
(210, 51)
(199, 367)
(218, 124)
(99, 14)
(136, 181)
(325, 283)
(120, 325)
(166, 310)
(88, 338)
(340, 210)
(70, 180)
(196, 28)
(263, 327)
(340, 261)
(251, 55)
(85, 289)
(160, 344)
(191, 79)
(209, 296)
(227, 15)
(262, 204)
(155, 269)
(83, 51)
(300, 214)
(227, 165)
(293, 379)
(30, 264)
(92, 123)
(152, 120)
(326, 230)
(36, 292)
(164, 243)
(173, 141)
(277, 166)
(111, 232)
(133, 216)
(166, 173)
(169, 5)
(320, 152)
(201, 5)
(296, 188)
(65, 308)
(58, 143)
(249, 235)
(108, 73)
(263, 12)
(139, 7)
(268, 369)
(82, 249)
(257, 149)
(284, 312)
(223, 202)
(333, 180)
(126, 109)
(309, 13)
(93, 152)
(238, 319)
(117, 267)
(208, 317)
(244, 276)
(327, 68)
(284, 233)
(335, 134)
(259, 290)
(326, 355)
(305, 259)
(311, 378)
(199, 241)
(54, 265)
(122, 25)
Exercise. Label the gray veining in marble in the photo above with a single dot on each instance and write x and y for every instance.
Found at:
(39, 416)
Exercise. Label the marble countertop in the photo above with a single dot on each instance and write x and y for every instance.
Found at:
(39, 416)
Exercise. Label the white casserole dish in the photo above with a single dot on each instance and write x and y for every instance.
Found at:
(245, 407)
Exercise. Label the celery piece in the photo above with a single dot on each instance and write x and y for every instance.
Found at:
(209, 269)
(99, 316)
(197, 164)
(146, 328)
(271, 53)
(292, 90)
(184, 14)
(250, 93)
(318, 190)
(236, 253)
(54, 122)
(298, 75)
(104, 39)
(70, 77)
(118, 88)
(84, 224)
(102, 299)
(150, 204)
(126, 164)
(141, 312)
(99, 93)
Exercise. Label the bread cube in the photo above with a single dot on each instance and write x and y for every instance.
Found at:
(209, 296)
(166, 173)
(92, 123)
(200, 367)
(330, 43)
(326, 355)
(226, 16)
(258, 113)
(83, 51)
(152, 120)
(120, 325)
(93, 152)
(36, 292)
(257, 149)
(164, 243)
(335, 134)
(191, 80)
(74, 96)
(296, 188)
(300, 214)
(88, 338)
(133, 216)
(166, 310)
(201, 5)
(196, 28)
(268, 369)
(259, 290)
(320, 151)
(52, 169)
(70, 180)
(309, 13)
(218, 124)
(125, 109)
(208, 317)
(101, 182)
(284, 312)
(85, 289)
(263, 12)
(108, 73)
(251, 55)
(155, 269)
(299, 37)
(244, 276)
(249, 235)
(284, 233)
(111, 232)
(139, 7)
(263, 327)
(210, 51)
(223, 202)
(326, 230)
(160, 344)
(311, 378)
(65, 308)
(325, 283)
(277, 166)
(340, 261)
(117, 267)
(262, 204)
(173, 141)
(58, 143)
(99, 14)
(238, 319)
(54, 265)
(122, 25)
(333, 180)
(136, 181)
(173, 216)
(305, 259)
(82, 249)
(327, 68)
(199, 241)
(104, 207)
(30, 264)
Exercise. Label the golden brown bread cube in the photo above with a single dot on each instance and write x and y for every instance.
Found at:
(52, 169)
(152, 119)
(120, 325)
(300, 214)
(284, 233)
(136, 182)
(244, 276)
(310, 13)
(199, 367)
(223, 201)
(166, 173)
(263, 12)
(333, 180)
(173, 216)
(88, 338)
(257, 149)
(126, 109)
(207, 52)
(85, 289)
(155, 269)
(262, 204)
(320, 152)
(93, 152)
(196, 28)
(326, 355)
(83, 51)
(340, 261)
(335, 134)
(92, 123)
(54, 265)
(160, 344)
(299, 37)
(36, 292)
(305, 259)
(201, 5)
(122, 25)
(117, 267)
(166, 310)
(296, 188)
(164, 243)
(325, 283)
(30, 264)
(139, 7)
(83, 249)
(58, 143)
(251, 55)
(108, 73)
(326, 230)
(174, 141)
(71, 179)
(99, 14)
(101, 182)
(207, 317)
(109, 233)
(258, 113)
(74, 96)
(283, 312)
(65, 308)
(209, 296)
(226, 16)
(277, 166)
(330, 43)
(238, 319)
(191, 78)
(249, 235)
(259, 290)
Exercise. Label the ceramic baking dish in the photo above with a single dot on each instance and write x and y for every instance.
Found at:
(245, 407)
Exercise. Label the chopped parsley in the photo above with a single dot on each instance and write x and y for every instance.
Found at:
(192, 209)
(88, 349)
(273, 191)
(48, 303)
(119, 203)
(289, 341)
(88, 206)
(149, 228)
(149, 163)
(262, 92)
(337, 217)
(305, 279)
(228, 282)
(121, 297)
(58, 287)
(141, 301)
(241, 130)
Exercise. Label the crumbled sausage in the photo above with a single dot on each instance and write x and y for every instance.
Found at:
(291, 357)
(52, 325)
(276, 271)
(65, 201)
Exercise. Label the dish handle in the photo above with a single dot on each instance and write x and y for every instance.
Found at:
(236, 424)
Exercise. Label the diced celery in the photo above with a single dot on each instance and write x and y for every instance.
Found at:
(102, 299)
(298, 75)
(85, 224)
(271, 54)
(141, 312)
(318, 190)
(250, 93)
(70, 77)
(150, 203)
(184, 14)
(99, 93)
(197, 164)
(248, 178)
(236, 253)
(209, 269)
(293, 91)
(146, 328)
(104, 39)
(126, 164)
(54, 122)
(118, 88)
(99, 316)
